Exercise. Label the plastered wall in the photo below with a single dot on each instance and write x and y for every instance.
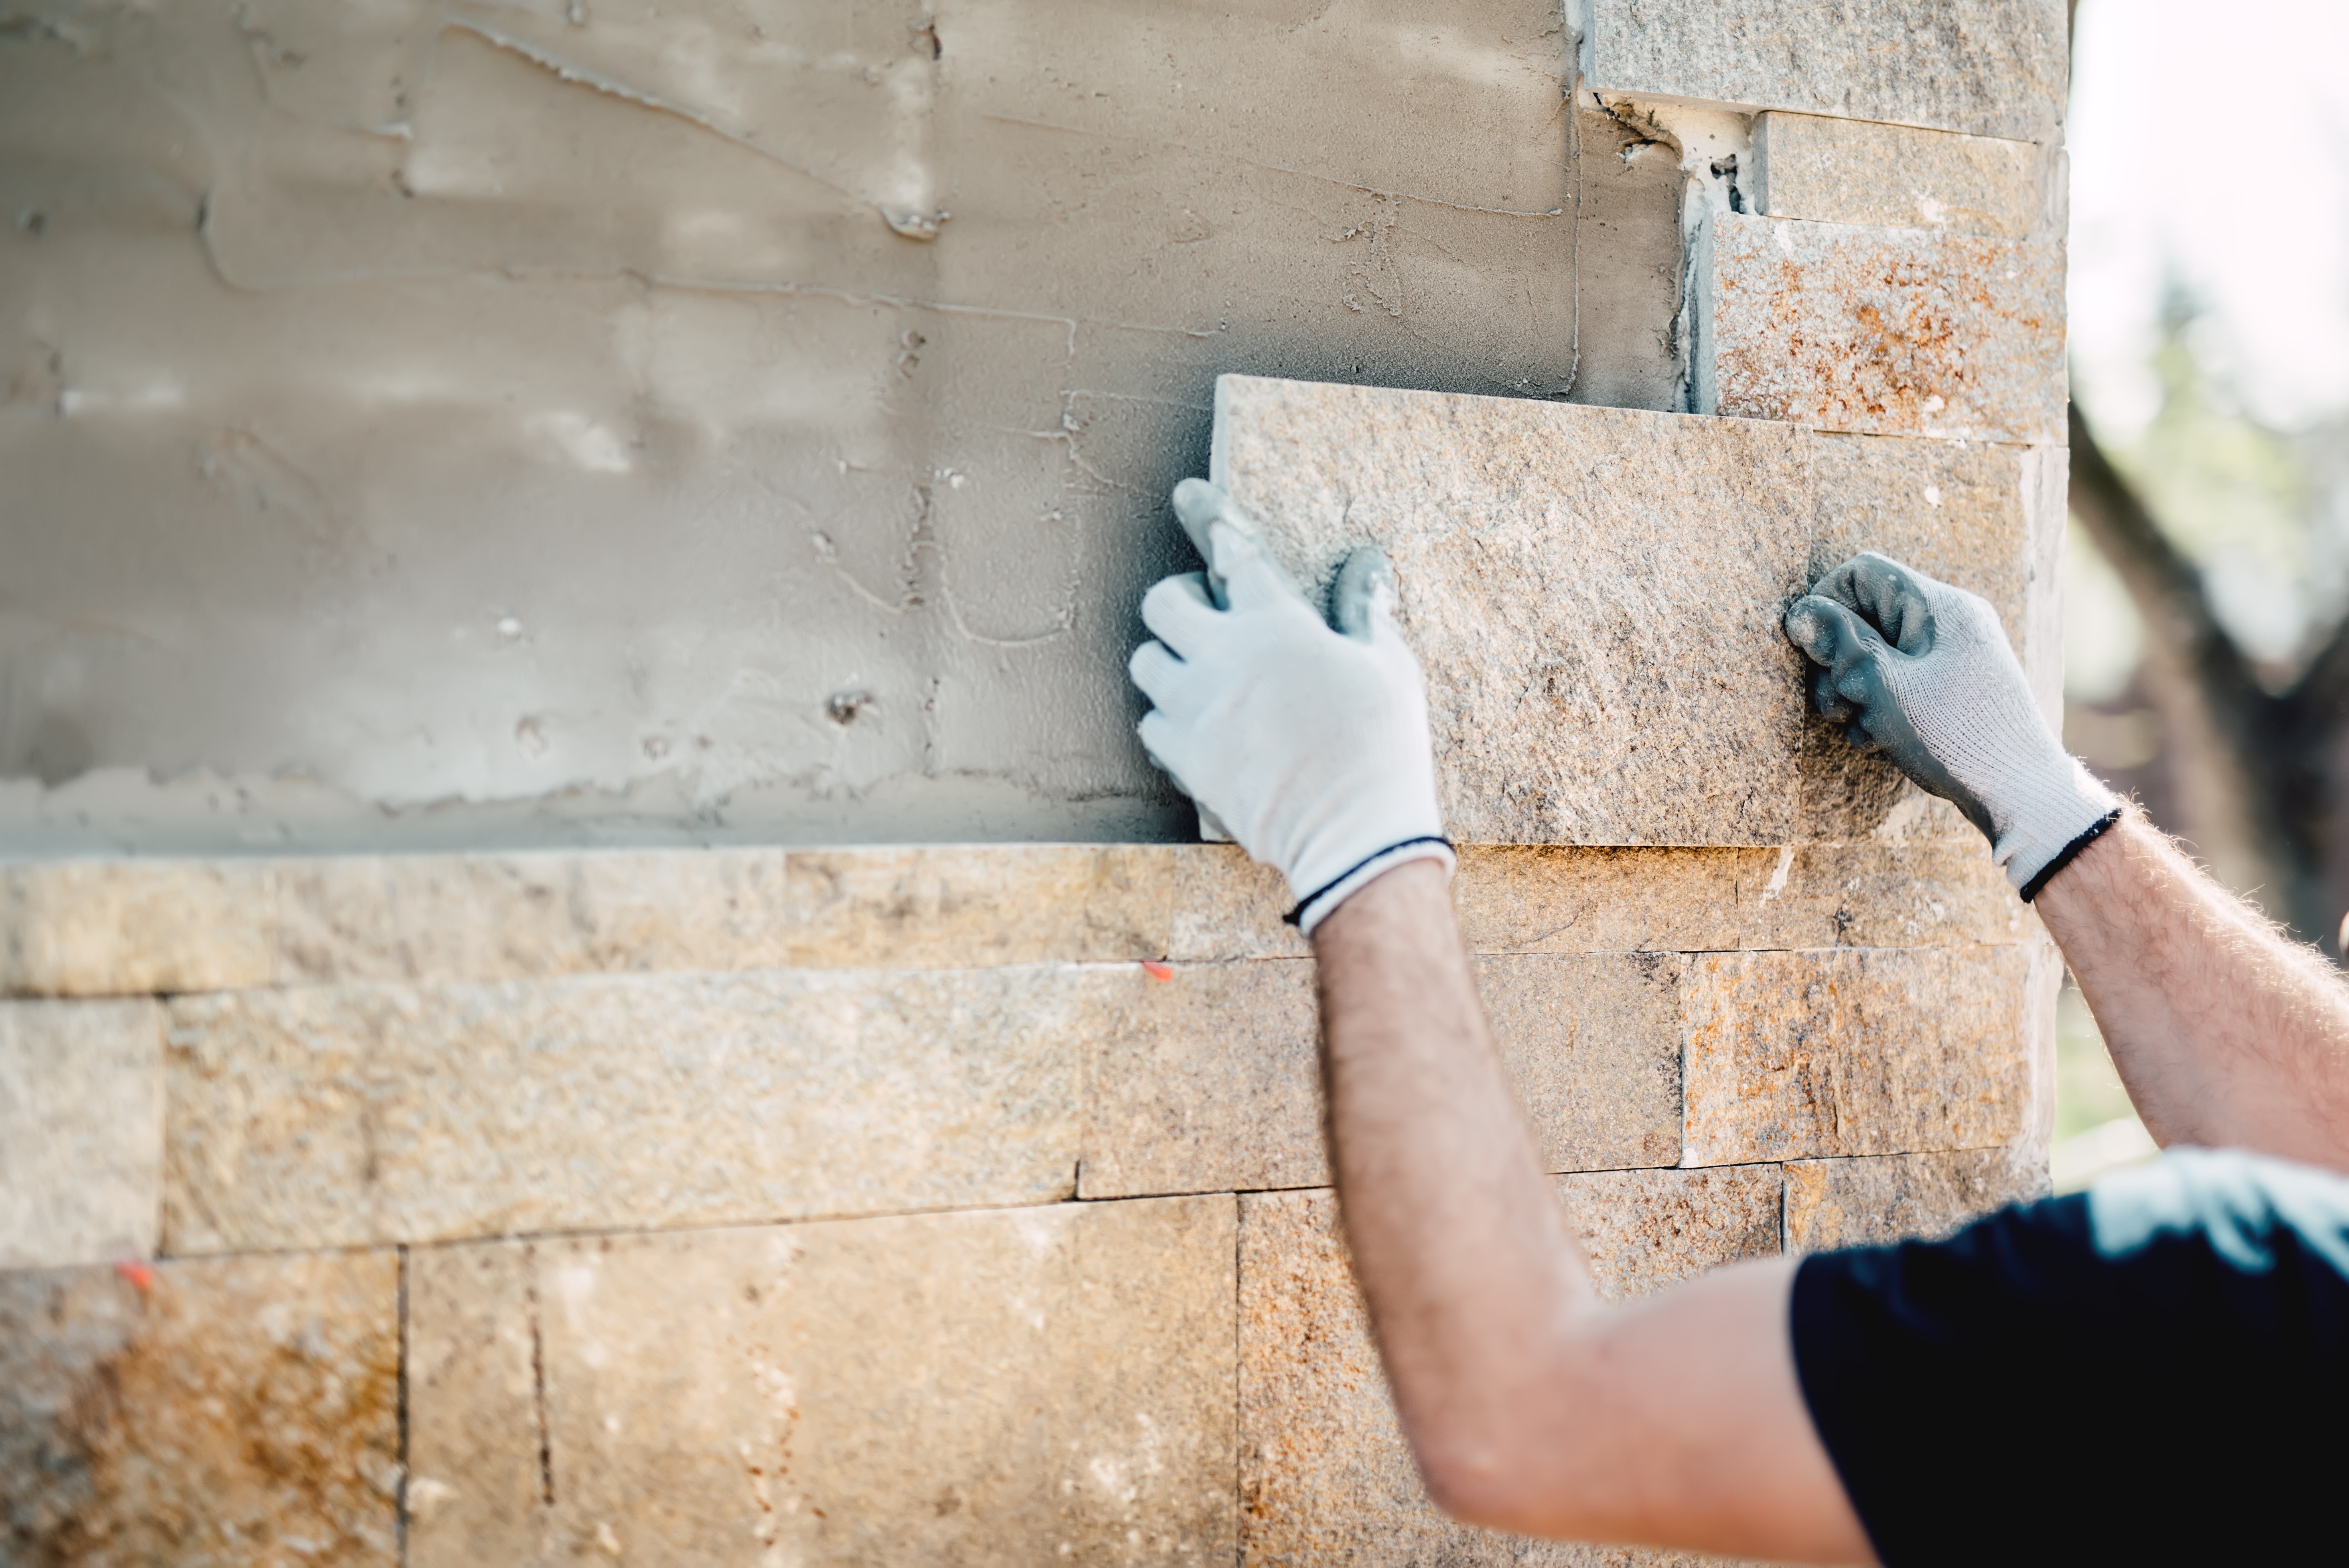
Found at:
(442, 424)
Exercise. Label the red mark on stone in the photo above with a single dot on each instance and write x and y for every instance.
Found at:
(138, 1274)
(1156, 970)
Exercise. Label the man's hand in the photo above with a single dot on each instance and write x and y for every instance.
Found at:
(1921, 671)
(1309, 745)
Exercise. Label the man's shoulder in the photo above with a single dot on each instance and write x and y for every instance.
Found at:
(2252, 1212)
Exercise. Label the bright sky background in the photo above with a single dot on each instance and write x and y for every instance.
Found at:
(2214, 139)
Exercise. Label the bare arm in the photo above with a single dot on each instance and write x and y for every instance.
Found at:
(2226, 1034)
(1531, 1406)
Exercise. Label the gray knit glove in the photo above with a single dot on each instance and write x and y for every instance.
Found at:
(1921, 671)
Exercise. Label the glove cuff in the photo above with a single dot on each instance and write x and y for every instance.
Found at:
(2069, 853)
(2041, 838)
(1316, 906)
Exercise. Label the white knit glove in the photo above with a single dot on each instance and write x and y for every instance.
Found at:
(1308, 745)
(1921, 671)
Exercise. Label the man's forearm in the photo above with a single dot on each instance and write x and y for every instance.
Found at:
(1461, 1247)
(2225, 1033)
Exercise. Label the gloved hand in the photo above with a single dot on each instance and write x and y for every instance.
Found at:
(1309, 745)
(1921, 671)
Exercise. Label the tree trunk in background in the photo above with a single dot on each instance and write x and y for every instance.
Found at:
(2253, 770)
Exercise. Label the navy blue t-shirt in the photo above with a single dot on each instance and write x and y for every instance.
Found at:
(2153, 1371)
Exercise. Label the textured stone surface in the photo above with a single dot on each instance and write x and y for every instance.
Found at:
(1028, 1386)
(218, 1413)
(1324, 1474)
(500, 916)
(81, 1131)
(115, 927)
(1208, 1081)
(1856, 1051)
(1895, 177)
(1595, 594)
(1888, 1198)
(336, 1116)
(1882, 331)
(1994, 68)
(953, 907)
(1227, 906)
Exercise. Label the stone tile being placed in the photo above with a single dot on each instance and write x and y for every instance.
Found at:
(1992, 67)
(218, 1413)
(1210, 1081)
(1596, 593)
(1325, 1476)
(1227, 906)
(956, 907)
(1795, 1054)
(81, 1131)
(1881, 331)
(347, 1115)
(518, 916)
(130, 927)
(1871, 1202)
(1893, 177)
(1028, 1386)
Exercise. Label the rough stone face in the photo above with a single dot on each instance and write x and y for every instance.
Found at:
(1856, 1051)
(1595, 594)
(1869, 1202)
(513, 916)
(81, 1131)
(963, 906)
(1325, 1476)
(1209, 1082)
(1992, 67)
(1025, 1386)
(219, 1413)
(124, 927)
(1227, 906)
(339, 1116)
(1880, 331)
(1894, 177)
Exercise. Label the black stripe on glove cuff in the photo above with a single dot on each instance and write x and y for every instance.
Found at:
(2070, 852)
(1297, 916)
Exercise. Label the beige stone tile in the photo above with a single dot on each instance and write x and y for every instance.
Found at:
(1889, 331)
(1029, 1386)
(130, 927)
(1933, 894)
(1518, 898)
(1227, 906)
(1893, 176)
(1795, 1055)
(1596, 596)
(1209, 1082)
(1992, 67)
(346, 1115)
(225, 1413)
(961, 907)
(515, 916)
(1870, 1201)
(1325, 1476)
(81, 1131)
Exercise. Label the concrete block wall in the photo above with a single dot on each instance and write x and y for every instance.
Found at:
(936, 1204)
(967, 1201)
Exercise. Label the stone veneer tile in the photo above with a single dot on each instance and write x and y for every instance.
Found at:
(214, 1413)
(1933, 894)
(81, 1131)
(1227, 906)
(958, 906)
(1992, 67)
(126, 927)
(1026, 1386)
(1325, 1476)
(1870, 1201)
(1880, 330)
(1795, 1055)
(1210, 1081)
(1891, 176)
(515, 916)
(1596, 595)
(347, 1115)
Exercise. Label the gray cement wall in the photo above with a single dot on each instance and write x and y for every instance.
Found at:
(577, 420)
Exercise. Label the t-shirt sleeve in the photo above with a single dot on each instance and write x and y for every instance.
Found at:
(2154, 1372)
